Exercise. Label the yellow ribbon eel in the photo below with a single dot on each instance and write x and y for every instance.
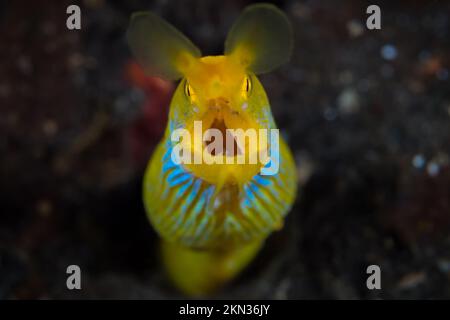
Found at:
(214, 217)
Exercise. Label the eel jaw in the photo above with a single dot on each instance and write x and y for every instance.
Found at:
(220, 166)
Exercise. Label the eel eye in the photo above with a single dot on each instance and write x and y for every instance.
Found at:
(188, 90)
(247, 85)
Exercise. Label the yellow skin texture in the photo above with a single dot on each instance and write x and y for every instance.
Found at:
(214, 218)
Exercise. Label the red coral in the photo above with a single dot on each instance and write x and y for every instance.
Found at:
(146, 130)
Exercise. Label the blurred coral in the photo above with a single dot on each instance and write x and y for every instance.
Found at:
(148, 127)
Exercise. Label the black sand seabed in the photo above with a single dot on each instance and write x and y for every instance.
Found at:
(367, 114)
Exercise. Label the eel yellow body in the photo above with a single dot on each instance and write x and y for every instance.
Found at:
(214, 216)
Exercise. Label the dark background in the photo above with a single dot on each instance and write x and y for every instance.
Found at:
(366, 113)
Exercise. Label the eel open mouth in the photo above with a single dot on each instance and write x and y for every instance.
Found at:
(223, 148)
(229, 145)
